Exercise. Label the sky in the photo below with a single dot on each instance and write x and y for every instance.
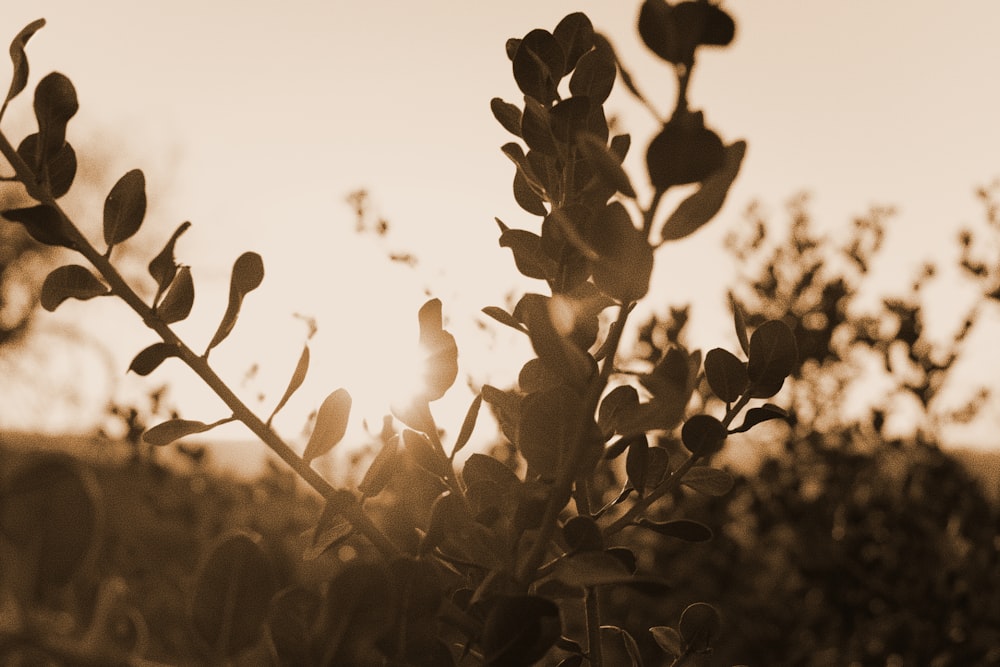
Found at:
(255, 120)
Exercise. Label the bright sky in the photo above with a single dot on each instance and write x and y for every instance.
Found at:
(254, 121)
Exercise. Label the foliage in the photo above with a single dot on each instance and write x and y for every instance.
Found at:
(452, 562)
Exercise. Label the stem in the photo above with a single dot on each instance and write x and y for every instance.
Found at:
(593, 611)
(351, 511)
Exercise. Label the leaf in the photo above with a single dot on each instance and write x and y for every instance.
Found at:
(20, 78)
(625, 262)
(616, 409)
(636, 462)
(150, 358)
(699, 626)
(360, 609)
(55, 104)
(726, 374)
(248, 273)
(290, 619)
(507, 408)
(125, 208)
(331, 424)
(70, 282)
(61, 167)
(519, 630)
(684, 152)
(526, 197)
(547, 420)
(707, 201)
(582, 534)
(606, 163)
(575, 35)
(179, 299)
(668, 639)
(482, 468)
(703, 435)
(507, 114)
(233, 588)
(298, 377)
(758, 415)
(631, 647)
(529, 257)
(740, 323)
(416, 414)
(594, 76)
(381, 470)
(536, 129)
(331, 528)
(772, 358)
(562, 357)
(468, 424)
(538, 64)
(591, 568)
(710, 481)
(49, 511)
(423, 453)
(163, 268)
(682, 529)
(503, 317)
(442, 352)
(43, 223)
(175, 429)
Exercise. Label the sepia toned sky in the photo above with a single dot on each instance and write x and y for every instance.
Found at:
(255, 120)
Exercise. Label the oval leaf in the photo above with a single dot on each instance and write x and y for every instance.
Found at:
(70, 282)
(163, 268)
(61, 167)
(20, 60)
(726, 374)
(773, 355)
(468, 424)
(298, 377)
(382, 469)
(43, 223)
(682, 529)
(703, 435)
(606, 163)
(538, 64)
(125, 208)
(149, 359)
(179, 299)
(692, 213)
(248, 273)
(174, 429)
(668, 639)
(55, 104)
(233, 589)
(761, 414)
(699, 626)
(331, 425)
(710, 481)
(507, 114)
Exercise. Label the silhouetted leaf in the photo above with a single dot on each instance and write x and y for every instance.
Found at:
(557, 352)
(636, 462)
(480, 468)
(536, 129)
(290, 618)
(360, 610)
(617, 408)
(772, 358)
(331, 424)
(740, 324)
(591, 568)
(699, 626)
(526, 197)
(583, 534)
(519, 630)
(668, 639)
(526, 246)
(468, 424)
(684, 151)
(726, 374)
(538, 64)
(43, 223)
(631, 648)
(503, 317)
(758, 415)
(703, 434)
(179, 299)
(70, 282)
(547, 420)
(606, 163)
(248, 274)
(163, 268)
(682, 529)
(416, 414)
(331, 528)
(298, 377)
(536, 376)
(507, 114)
(699, 208)
(424, 454)
(625, 261)
(594, 76)
(710, 481)
(125, 207)
(150, 358)
(61, 167)
(381, 470)
(575, 35)
(568, 118)
(55, 103)
(175, 429)
(20, 77)
(233, 588)
(441, 367)
(49, 512)
(507, 408)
